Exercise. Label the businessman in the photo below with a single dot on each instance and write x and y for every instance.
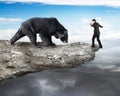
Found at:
(96, 34)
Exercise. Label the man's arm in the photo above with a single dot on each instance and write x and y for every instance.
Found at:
(100, 26)
(92, 24)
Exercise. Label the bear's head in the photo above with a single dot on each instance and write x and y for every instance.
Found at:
(59, 31)
(62, 35)
(64, 39)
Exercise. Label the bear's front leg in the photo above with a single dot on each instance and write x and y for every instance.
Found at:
(33, 40)
(47, 40)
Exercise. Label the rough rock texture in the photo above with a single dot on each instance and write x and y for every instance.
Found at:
(23, 58)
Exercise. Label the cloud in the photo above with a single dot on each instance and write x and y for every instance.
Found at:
(2, 20)
(85, 20)
(70, 2)
(6, 34)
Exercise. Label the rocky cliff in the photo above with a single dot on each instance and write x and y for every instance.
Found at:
(22, 58)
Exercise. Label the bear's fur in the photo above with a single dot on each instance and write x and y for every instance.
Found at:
(45, 27)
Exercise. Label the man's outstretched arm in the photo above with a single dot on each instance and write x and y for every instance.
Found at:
(100, 26)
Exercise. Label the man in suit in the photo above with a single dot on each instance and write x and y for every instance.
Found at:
(96, 34)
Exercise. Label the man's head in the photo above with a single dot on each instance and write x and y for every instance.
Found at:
(94, 20)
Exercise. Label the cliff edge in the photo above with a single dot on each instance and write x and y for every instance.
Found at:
(22, 58)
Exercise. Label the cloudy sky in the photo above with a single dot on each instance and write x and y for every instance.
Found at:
(75, 15)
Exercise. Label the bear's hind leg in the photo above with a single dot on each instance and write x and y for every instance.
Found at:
(16, 37)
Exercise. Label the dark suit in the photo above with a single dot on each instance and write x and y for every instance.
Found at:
(96, 34)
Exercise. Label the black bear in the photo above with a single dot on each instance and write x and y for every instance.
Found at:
(45, 27)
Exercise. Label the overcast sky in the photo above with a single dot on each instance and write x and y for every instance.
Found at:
(75, 15)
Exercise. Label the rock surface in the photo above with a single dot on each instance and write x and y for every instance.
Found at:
(22, 58)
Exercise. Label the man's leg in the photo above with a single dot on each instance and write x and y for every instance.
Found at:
(93, 41)
(99, 42)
